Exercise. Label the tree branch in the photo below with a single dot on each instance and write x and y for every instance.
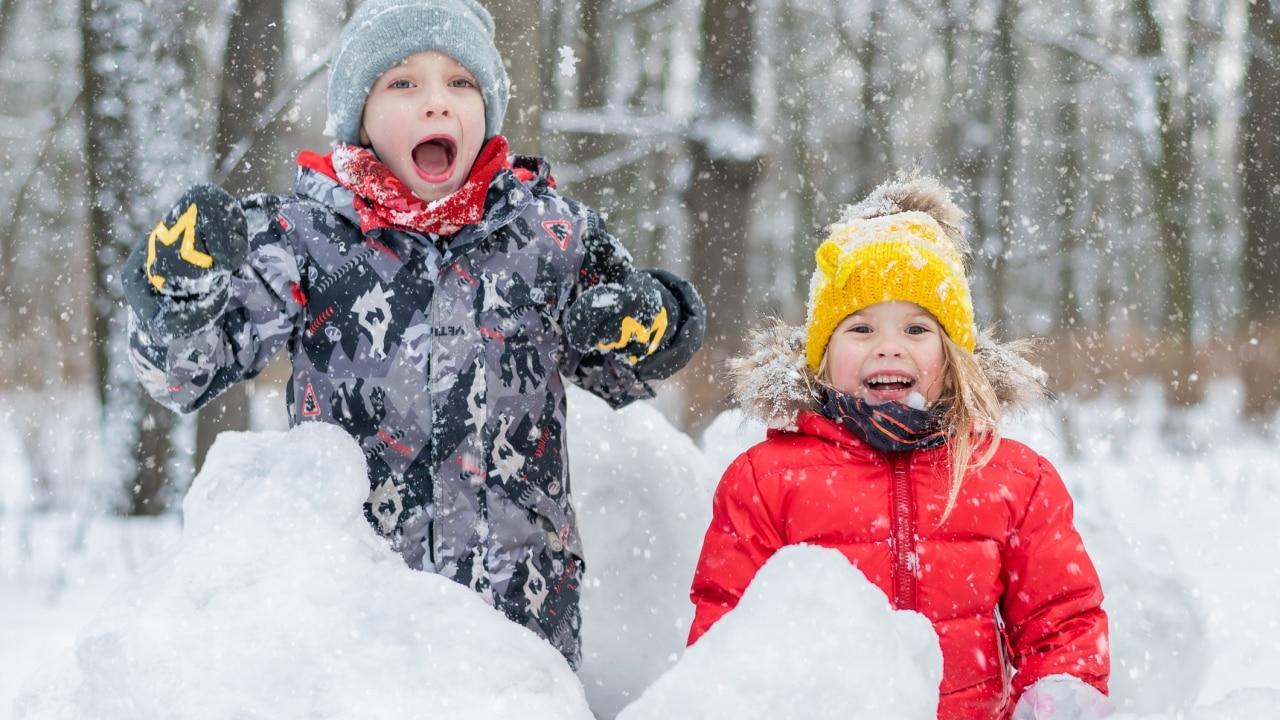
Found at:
(270, 113)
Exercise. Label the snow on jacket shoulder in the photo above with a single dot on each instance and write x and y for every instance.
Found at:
(1007, 556)
(443, 359)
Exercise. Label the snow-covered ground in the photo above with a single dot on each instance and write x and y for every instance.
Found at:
(275, 600)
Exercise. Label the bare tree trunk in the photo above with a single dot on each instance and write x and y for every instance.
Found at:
(121, 134)
(949, 139)
(1170, 176)
(520, 41)
(970, 155)
(252, 63)
(8, 9)
(1004, 154)
(592, 36)
(1072, 195)
(873, 147)
(719, 197)
(1070, 227)
(1260, 154)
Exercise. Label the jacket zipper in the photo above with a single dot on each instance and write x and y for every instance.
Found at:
(906, 562)
(1006, 663)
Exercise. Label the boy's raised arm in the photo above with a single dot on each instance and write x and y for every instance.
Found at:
(178, 280)
(204, 316)
(630, 328)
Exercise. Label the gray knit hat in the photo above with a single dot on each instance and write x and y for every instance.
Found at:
(381, 33)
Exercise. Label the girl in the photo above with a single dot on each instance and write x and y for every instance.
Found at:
(886, 445)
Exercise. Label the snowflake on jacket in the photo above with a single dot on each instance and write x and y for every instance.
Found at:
(444, 358)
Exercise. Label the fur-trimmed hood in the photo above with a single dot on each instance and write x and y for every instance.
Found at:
(772, 382)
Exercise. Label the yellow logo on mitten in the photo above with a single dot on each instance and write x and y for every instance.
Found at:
(634, 330)
(184, 228)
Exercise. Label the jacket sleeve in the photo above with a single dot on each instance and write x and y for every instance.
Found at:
(185, 373)
(609, 375)
(743, 535)
(1052, 605)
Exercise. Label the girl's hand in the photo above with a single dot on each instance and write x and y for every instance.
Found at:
(1062, 697)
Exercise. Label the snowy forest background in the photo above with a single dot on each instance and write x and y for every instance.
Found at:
(1118, 158)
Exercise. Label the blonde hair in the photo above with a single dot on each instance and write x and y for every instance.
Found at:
(971, 415)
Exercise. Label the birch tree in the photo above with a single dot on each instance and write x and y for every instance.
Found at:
(137, 133)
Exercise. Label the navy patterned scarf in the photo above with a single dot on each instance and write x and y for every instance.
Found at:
(887, 427)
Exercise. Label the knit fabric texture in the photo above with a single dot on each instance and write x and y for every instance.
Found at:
(904, 256)
(381, 33)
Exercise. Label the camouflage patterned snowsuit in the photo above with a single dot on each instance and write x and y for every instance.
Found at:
(444, 360)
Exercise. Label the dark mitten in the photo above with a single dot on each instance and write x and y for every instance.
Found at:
(632, 319)
(179, 278)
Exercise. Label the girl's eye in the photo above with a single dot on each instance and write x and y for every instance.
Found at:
(863, 329)
(917, 329)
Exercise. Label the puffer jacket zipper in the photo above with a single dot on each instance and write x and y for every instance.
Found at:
(1007, 670)
(905, 560)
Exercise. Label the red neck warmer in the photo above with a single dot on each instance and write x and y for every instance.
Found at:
(383, 201)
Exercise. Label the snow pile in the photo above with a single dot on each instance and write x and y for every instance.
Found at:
(643, 494)
(1251, 704)
(1159, 649)
(280, 601)
(834, 649)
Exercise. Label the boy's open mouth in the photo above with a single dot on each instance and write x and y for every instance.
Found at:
(434, 158)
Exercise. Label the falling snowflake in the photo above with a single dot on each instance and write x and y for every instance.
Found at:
(568, 62)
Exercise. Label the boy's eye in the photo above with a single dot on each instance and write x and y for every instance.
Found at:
(463, 83)
(400, 84)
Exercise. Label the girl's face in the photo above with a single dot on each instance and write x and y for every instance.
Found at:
(886, 351)
(424, 119)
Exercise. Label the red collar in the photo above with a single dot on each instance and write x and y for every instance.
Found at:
(381, 200)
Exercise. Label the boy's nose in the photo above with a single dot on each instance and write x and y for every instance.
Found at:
(436, 104)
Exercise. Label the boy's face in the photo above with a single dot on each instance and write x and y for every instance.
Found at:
(424, 119)
(886, 351)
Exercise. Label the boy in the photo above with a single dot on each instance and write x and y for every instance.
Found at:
(431, 291)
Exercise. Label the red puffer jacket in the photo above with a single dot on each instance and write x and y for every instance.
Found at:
(1008, 552)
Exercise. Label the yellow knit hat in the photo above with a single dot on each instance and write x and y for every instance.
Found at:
(900, 256)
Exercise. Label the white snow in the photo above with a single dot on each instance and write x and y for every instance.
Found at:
(278, 595)
(788, 650)
(568, 65)
(273, 598)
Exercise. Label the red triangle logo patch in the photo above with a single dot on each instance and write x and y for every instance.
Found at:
(560, 230)
(310, 408)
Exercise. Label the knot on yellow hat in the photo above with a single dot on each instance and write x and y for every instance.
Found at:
(904, 256)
